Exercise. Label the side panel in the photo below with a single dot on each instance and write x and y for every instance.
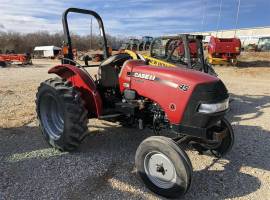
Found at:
(166, 94)
(85, 85)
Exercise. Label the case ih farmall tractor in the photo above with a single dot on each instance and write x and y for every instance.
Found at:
(189, 104)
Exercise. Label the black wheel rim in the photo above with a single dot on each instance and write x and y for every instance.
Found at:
(51, 116)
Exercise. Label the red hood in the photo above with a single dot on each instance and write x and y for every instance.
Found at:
(176, 74)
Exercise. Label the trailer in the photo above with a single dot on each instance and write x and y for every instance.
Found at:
(46, 51)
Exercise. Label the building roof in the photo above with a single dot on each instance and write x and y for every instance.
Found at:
(46, 48)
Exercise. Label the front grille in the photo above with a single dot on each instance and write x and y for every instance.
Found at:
(204, 93)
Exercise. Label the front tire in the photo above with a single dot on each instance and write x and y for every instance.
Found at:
(61, 114)
(163, 166)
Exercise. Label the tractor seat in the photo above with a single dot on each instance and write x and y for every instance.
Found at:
(109, 70)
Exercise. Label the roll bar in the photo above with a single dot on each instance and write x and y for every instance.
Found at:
(67, 37)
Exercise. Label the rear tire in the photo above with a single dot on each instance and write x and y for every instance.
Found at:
(146, 46)
(140, 47)
(61, 114)
(163, 166)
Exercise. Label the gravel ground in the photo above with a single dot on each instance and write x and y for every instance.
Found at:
(103, 168)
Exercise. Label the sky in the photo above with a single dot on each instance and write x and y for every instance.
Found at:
(134, 17)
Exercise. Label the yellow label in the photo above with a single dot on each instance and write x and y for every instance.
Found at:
(157, 62)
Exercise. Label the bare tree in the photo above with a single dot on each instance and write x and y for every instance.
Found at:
(25, 43)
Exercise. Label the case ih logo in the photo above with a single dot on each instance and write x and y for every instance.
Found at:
(144, 76)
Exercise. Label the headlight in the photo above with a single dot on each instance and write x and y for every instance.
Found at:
(214, 107)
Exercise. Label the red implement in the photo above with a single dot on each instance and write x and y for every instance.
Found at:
(16, 58)
(223, 49)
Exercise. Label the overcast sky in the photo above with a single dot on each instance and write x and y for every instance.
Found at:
(134, 17)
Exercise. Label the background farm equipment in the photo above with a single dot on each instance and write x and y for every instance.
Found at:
(145, 43)
(223, 50)
(137, 45)
(133, 44)
(124, 46)
(251, 48)
(21, 59)
(190, 105)
(179, 51)
(263, 44)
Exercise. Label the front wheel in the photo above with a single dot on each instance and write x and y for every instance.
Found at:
(163, 166)
(61, 114)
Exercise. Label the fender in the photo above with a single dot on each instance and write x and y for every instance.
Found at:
(84, 83)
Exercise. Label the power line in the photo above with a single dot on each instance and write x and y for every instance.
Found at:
(205, 3)
(237, 17)
(219, 16)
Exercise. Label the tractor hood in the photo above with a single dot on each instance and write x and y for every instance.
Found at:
(171, 87)
(172, 76)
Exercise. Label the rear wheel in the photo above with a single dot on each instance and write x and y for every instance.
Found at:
(163, 166)
(61, 113)
(146, 46)
(141, 47)
(134, 47)
(128, 47)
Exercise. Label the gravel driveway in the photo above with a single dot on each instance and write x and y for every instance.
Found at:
(103, 168)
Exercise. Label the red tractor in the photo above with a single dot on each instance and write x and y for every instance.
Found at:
(223, 50)
(189, 104)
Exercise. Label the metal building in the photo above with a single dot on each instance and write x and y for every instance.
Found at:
(247, 35)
